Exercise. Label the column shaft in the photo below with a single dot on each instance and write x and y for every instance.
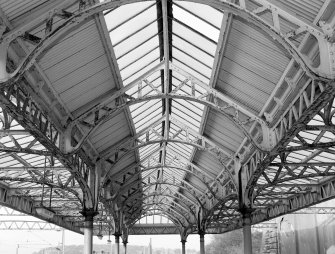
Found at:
(117, 244)
(183, 247)
(202, 243)
(247, 238)
(88, 237)
(125, 247)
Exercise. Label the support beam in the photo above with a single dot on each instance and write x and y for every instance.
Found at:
(27, 225)
(167, 63)
(162, 229)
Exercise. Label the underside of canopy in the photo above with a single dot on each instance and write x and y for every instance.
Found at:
(204, 112)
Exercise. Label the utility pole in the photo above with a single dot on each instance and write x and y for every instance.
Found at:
(63, 241)
(150, 247)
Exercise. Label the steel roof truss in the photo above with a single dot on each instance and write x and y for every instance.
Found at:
(253, 16)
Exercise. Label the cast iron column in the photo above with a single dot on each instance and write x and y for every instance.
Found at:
(125, 246)
(88, 231)
(247, 235)
(183, 247)
(117, 244)
(202, 242)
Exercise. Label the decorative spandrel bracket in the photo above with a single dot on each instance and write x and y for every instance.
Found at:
(201, 220)
(245, 200)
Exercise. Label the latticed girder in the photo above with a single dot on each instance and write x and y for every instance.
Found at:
(27, 225)
(17, 104)
(295, 169)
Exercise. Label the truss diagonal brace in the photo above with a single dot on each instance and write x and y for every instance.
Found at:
(72, 165)
(319, 103)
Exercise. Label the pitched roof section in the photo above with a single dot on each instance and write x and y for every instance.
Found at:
(171, 103)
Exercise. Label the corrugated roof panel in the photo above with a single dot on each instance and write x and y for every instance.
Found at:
(89, 77)
(76, 42)
(223, 131)
(197, 183)
(111, 132)
(251, 67)
(123, 162)
(67, 71)
(303, 9)
(208, 162)
(90, 87)
(14, 9)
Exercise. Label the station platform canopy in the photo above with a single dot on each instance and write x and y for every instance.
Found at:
(208, 113)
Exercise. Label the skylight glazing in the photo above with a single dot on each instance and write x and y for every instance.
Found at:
(137, 38)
